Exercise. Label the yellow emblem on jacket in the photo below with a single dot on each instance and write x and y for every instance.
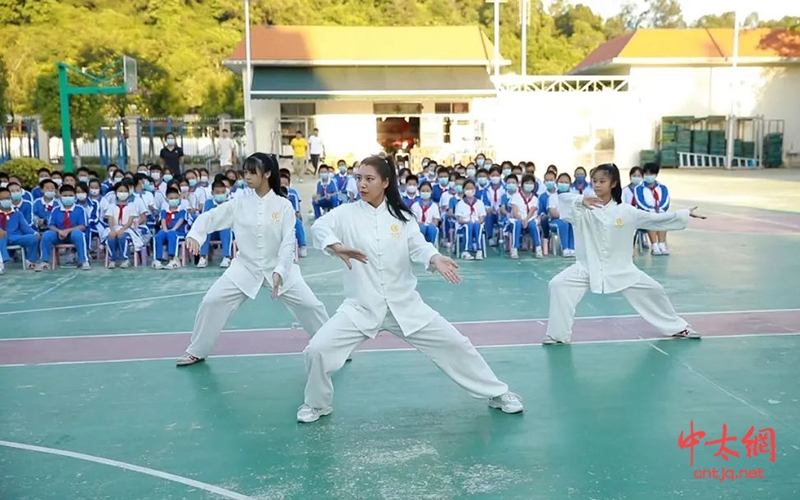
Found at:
(275, 216)
(395, 229)
(619, 222)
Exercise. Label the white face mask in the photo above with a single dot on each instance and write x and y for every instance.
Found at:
(469, 193)
(122, 196)
(411, 189)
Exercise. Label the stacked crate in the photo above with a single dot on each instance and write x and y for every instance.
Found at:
(676, 135)
(700, 141)
(773, 150)
(716, 142)
(648, 156)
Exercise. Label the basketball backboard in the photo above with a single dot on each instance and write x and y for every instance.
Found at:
(130, 74)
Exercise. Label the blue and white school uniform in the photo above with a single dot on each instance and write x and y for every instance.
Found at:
(427, 215)
(582, 188)
(116, 217)
(652, 197)
(544, 214)
(340, 180)
(352, 189)
(25, 208)
(565, 231)
(66, 218)
(410, 201)
(42, 208)
(492, 196)
(224, 236)
(527, 206)
(471, 211)
(299, 229)
(327, 197)
(18, 232)
(173, 234)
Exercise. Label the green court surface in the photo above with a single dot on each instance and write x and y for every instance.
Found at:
(602, 418)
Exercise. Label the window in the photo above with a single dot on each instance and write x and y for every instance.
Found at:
(396, 108)
(298, 109)
(451, 108)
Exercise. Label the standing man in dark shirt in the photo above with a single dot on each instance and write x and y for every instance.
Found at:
(172, 155)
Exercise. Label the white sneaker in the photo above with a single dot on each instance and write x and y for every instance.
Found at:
(111, 264)
(303, 251)
(664, 250)
(2, 268)
(307, 414)
(656, 249)
(479, 255)
(226, 262)
(173, 264)
(514, 253)
(466, 256)
(492, 242)
(203, 262)
(157, 264)
(508, 403)
(125, 264)
(539, 253)
(86, 266)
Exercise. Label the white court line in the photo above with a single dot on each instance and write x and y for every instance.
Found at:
(56, 285)
(476, 322)
(407, 349)
(129, 301)
(753, 219)
(714, 384)
(126, 466)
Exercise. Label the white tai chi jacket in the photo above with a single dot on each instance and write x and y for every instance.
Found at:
(604, 238)
(386, 283)
(265, 237)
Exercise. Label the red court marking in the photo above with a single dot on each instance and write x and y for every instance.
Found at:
(110, 348)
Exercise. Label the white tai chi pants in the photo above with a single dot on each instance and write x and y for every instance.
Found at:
(451, 351)
(647, 296)
(224, 298)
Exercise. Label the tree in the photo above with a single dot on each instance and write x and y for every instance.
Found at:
(22, 12)
(726, 20)
(5, 109)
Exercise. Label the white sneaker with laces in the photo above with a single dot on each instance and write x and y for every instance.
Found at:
(303, 251)
(203, 262)
(508, 403)
(173, 264)
(687, 333)
(479, 255)
(514, 253)
(226, 263)
(664, 250)
(539, 253)
(2, 268)
(466, 256)
(157, 264)
(125, 264)
(307, 414)
(86, 266)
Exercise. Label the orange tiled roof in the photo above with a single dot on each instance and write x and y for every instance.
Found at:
(698, 44)
(306, 44)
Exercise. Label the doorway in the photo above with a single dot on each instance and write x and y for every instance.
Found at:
(396, 133)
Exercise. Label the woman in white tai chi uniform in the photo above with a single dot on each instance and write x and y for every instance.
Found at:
(604, 229)
(263, 222)
(380, 232)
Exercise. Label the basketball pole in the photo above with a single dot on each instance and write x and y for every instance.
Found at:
(250, 137)
(734, 93)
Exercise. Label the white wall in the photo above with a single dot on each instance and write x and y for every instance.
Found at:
(266, 114)
(347, 128)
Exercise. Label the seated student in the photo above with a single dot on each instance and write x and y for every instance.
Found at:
(340, 179)
(492, 196)
(581, 185)
(447, 206)
(173, 229)
(91, 210)
(652, 196)
(411, 196)
(629, 191)
(442, 185)
(225, 236)
(327, 195)
(352, 185)
(19, 203)
(524, 216)
(43, 207)
(294, 198)
(506, 169)
(427, 213)
(550, 187)
(3, 180)
(67, 225)
(565, 231)
(470, 213)
(36, 192)
(121, 218)
(14, 230)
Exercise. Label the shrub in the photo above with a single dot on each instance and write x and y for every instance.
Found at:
(27, 169)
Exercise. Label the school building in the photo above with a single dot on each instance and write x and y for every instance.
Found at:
(432, 88)
(364, 86)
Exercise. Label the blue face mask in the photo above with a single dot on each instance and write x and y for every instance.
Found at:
(323, 177)
(192, 182)
(443, 181)
(220, 198)
(16, 196)
(483, 181)
(563, 187)
(636, 180)
(67, 201)
(550, 185)
(49, 194)
(83, 178)
(650, 179)
(458, 188)
(480, 162)
(580, 178)
(528, 188)
(470, 172)
(512, 188)
(149, 187)
(174, 203)
(241, 183)
(6, 204)
(506, 172)
(342, 169)
(168, 177)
